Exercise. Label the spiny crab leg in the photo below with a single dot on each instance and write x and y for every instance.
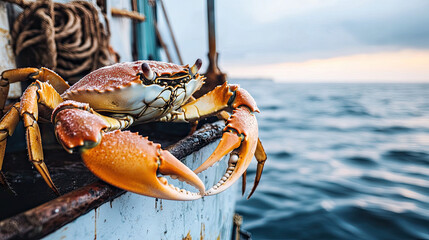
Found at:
(24, 74)
(261, 157)
(121, 158)
(7, 127)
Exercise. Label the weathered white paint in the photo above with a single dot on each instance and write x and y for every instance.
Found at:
(133, 216)
(7, 58)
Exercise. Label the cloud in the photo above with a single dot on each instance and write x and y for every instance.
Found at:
(326, 29)
(254, 33)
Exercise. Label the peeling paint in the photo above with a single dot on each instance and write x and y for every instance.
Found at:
(95, 224)
(4, 31)
(202, 233)
(188, 236)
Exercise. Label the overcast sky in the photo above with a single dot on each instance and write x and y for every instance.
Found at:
(309, 40)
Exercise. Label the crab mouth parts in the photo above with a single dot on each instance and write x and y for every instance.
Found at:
(167, 80)
(172, 81)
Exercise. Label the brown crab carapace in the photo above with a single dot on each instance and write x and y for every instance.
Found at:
(90, 117)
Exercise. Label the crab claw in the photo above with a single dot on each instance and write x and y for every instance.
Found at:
(194, 69)
(131, 162)
(147, 72)
(76, 127)
(240, 137)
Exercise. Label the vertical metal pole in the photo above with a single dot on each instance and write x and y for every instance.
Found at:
(214, 75)
(212, 34)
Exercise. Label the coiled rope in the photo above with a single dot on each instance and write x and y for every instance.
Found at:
(69, 38)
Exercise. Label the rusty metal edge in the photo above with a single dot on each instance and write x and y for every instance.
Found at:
(48, 217)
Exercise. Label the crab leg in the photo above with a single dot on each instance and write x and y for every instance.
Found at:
(7, 127)
(261, 157)
(243, 183)
(23, 74)
(123, 159)
(45, 94)
(240, 134)
(38, 93)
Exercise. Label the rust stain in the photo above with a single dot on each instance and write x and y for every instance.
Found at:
(202, 232)
(160, 204)
(95, 224)
(188, 236)
(4, 31)
(218, 237)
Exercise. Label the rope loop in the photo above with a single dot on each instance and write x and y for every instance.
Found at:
(69, 38)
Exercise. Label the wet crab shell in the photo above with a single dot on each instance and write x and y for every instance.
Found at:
(119, 89)
(122, 74)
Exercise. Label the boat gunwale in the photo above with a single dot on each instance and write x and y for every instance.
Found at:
(52, 215)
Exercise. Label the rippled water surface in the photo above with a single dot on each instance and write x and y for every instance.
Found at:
(346, 161)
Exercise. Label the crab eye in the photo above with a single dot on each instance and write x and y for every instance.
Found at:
(147, 72)
(194, 69)
(147, 76)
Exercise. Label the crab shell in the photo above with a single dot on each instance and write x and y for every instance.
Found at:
(123, 89)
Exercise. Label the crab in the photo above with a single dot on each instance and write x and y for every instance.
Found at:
(91, 116)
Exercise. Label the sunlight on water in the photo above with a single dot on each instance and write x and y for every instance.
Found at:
(345, 161)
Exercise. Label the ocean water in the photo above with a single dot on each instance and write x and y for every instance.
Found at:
(345, 161)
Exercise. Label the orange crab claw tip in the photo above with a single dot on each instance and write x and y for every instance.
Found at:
(133, 166)
(171, 166)
(238, 164)
(229, 142)
(244, 122)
